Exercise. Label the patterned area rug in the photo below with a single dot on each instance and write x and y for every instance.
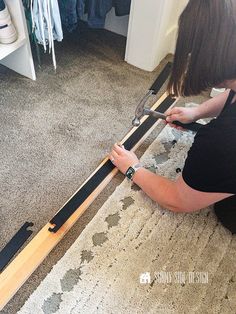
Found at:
(136, 257)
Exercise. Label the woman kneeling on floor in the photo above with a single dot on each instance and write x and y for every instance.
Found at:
(204, 58)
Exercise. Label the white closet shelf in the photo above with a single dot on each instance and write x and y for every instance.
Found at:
(6, 49)
(17, 56)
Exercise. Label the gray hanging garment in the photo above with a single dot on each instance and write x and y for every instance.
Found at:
(46, 22)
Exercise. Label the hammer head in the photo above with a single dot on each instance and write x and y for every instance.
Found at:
(136, 121)
(139, 112)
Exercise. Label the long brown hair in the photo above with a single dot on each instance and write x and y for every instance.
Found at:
(205, 54)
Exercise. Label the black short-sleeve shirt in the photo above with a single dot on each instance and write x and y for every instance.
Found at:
(211, 162)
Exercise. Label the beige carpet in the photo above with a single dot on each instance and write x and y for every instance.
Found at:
(131, 236)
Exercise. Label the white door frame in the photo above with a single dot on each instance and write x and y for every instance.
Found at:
(152, 31)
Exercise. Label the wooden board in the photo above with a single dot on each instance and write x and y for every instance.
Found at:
(27, 261)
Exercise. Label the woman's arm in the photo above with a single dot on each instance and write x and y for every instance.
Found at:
(212, 107)
(208, 109)
(176, 195)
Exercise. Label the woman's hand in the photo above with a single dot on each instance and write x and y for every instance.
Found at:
(122, 158)
(182, 114)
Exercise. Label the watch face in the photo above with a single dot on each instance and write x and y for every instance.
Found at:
(130, 172)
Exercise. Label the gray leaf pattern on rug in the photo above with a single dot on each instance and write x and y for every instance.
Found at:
(127, 202)
(112, 220)
(99, 238)
(86, 256)
(70, 279)
(131, 235)
(52, 304)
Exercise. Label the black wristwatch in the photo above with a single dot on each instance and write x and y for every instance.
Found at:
(131, 171)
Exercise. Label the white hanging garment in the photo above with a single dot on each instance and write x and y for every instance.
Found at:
(46, 23)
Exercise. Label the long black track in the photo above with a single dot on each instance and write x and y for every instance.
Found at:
(15, 244)
(77, 200)
(71, 206)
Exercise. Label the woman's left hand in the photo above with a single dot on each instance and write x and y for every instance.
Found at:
(122, 158)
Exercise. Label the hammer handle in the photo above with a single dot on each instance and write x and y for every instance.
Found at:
(194, 126)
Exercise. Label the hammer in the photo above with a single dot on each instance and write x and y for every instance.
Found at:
(142, 111)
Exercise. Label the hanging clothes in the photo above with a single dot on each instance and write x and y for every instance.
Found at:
(122, 7)
(2, 5)
(71, 11)
(46, 24)
(74, 10)
(97, 11)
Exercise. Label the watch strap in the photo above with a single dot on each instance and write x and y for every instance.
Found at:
(132, 170)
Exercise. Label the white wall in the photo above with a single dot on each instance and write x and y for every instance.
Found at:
(152, 31)
(117, 24)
